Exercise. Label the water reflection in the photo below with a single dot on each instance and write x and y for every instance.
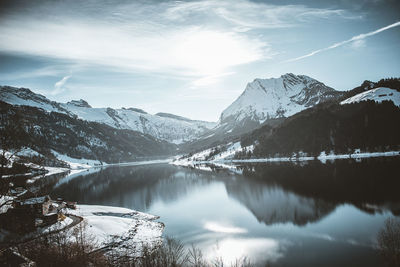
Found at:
(270, 212)
(274, 205)
(231, 250)
(135, 187)
(274, 193)
(371, 184)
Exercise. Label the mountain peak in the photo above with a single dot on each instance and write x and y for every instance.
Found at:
(172, 116)
(277, 97)
(136, 110)
(79, 103)
(23, 93)
(288, 75)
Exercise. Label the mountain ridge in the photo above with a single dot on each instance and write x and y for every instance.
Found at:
(277, 97)
(45, 132)
(173, 128)
(265, 102)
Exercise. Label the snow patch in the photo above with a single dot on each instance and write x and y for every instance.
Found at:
(117, 228)
(378, 95)
(76, 164)
(214, 155)
(222, 162)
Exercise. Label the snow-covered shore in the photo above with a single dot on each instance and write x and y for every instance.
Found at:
(118, 229)
(323, 157)
(75, 165)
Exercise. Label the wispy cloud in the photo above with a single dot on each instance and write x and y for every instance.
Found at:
(356, 40)
(207, 80)
(246, 15)
(191, 39)
(59, 86)
(358, 44)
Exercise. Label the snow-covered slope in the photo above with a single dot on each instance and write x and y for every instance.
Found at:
(163, 126)
(266, 101)
(277, 97)
(215, 154)
(121, 230)
(378, 95)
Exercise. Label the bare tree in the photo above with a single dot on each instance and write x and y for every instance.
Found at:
(4, 193)
(10, 132)
(70, 247)
(389, 241)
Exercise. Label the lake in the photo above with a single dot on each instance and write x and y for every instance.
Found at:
(282, 214)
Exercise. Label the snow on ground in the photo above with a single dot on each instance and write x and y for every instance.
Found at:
(28, 152)
(10, 155)
(50, 171)
(61, 224)
(77, 163)
(323, 157)
(4, 199)
(378, 95)
(120, 228)
(229, 152)
(227, 157)
(205, 155)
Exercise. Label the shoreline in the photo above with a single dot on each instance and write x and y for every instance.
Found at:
(322, 157)
(111, 228)
(74, 170)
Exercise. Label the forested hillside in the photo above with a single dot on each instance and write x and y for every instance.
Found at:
(367, 125)
(24, 126)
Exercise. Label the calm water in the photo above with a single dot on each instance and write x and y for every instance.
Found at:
(282, 214)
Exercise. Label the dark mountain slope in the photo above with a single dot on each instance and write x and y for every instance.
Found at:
(366, 125)
(45, 131)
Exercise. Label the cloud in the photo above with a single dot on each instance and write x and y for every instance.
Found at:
(247, 15)
(358, 44)
(356, 41)
(189, 39)
(59, 86)
(53, 70)
(212, 79)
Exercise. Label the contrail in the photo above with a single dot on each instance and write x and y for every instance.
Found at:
(354, 38)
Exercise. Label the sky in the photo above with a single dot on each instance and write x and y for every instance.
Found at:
(191, 58)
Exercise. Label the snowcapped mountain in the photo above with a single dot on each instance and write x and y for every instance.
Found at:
(277, 97)
(378, 95)
(163, 126)
(266, 101)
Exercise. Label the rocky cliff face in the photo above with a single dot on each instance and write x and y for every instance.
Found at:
(277, 97)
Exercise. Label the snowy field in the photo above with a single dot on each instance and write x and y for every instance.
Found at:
(113, 229)
(120, 230)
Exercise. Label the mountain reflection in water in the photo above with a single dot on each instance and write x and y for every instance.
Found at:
(283, 207)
